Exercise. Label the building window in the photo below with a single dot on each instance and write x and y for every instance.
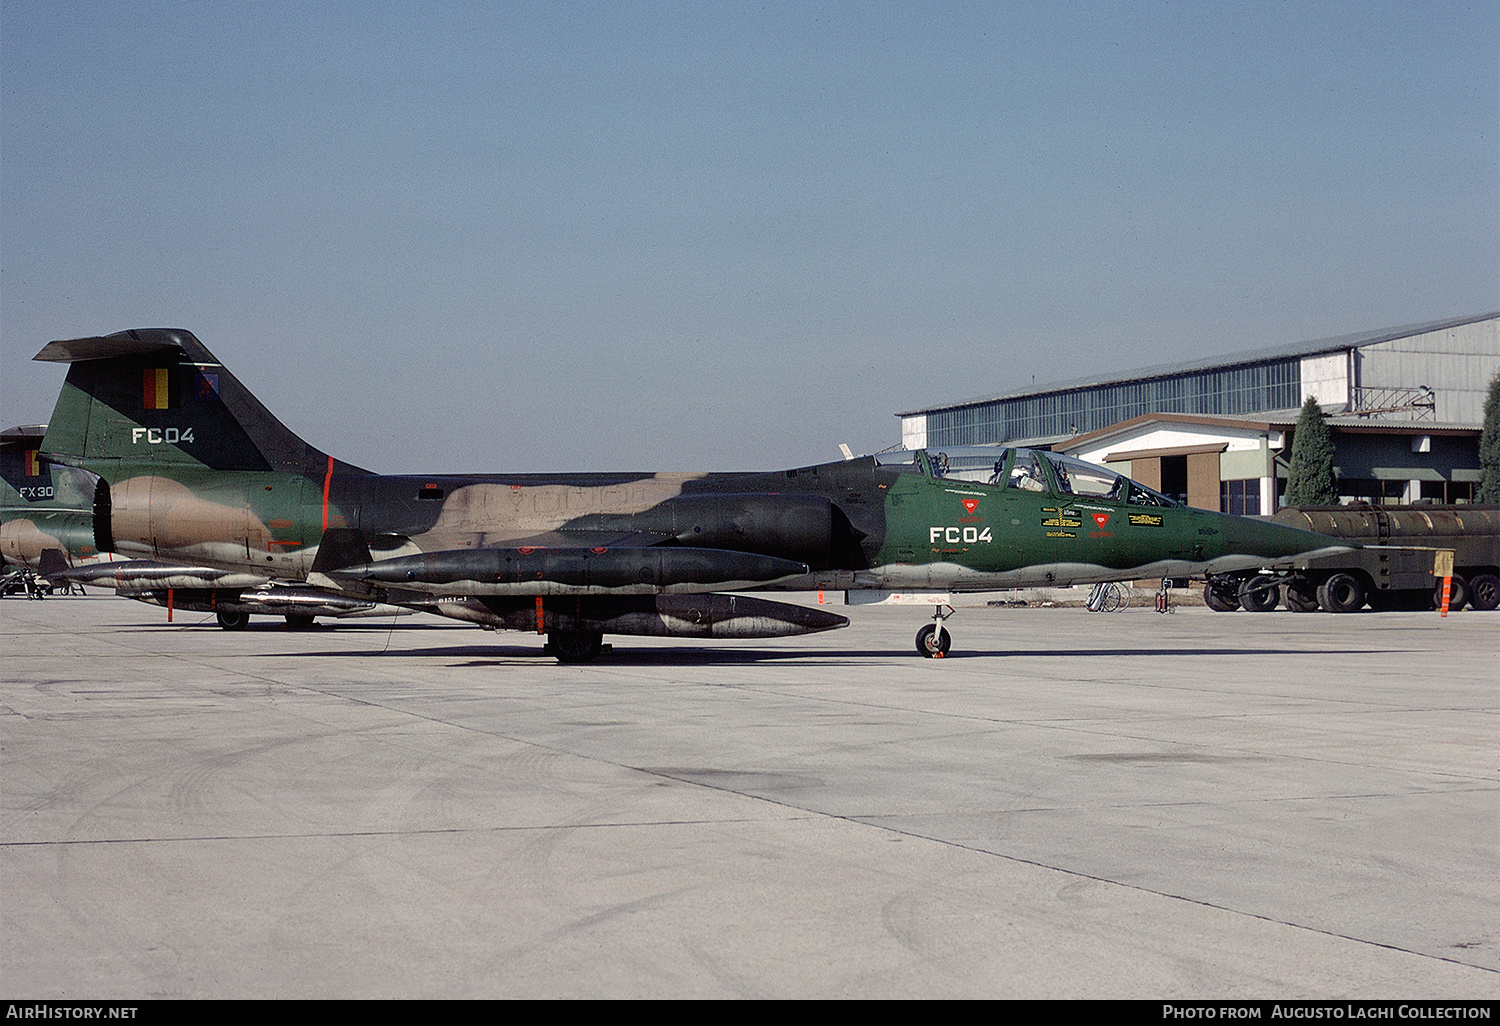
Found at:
(1373, 491)
(1226, 391)
(1242, 498)
(1450, 492)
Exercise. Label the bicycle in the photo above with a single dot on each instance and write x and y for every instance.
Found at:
(1108, 597)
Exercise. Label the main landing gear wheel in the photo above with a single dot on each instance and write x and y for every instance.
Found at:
(233, 621)
(298, 623)
(933, 641)
(575, 646)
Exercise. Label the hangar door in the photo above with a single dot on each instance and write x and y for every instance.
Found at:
(1188, 473)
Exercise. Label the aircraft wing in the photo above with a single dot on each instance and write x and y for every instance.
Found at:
(573, 570)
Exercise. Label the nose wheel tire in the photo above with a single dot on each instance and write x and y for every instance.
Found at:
(933, 641)
(233, 621)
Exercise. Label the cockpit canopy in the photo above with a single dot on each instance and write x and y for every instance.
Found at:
(1031, 470)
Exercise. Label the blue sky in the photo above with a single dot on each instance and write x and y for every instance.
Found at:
(594, 236)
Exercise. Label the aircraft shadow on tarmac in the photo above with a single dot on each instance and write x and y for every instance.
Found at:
(503, 654)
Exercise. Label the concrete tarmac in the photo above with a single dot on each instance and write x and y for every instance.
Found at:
(1073, 804)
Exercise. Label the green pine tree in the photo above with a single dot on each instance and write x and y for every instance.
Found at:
(1310, 478)
(1489, 446)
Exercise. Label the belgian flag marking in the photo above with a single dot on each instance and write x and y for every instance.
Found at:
(156, 388)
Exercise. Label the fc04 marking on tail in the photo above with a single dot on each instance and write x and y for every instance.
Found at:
(159, 436)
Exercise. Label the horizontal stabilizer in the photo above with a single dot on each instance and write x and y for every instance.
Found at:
(101, 347)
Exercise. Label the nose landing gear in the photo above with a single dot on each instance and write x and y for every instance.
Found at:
(933, 640)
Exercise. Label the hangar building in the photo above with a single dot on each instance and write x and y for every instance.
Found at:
(1405, 405)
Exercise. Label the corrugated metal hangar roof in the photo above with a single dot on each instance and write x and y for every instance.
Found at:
(1309, 348)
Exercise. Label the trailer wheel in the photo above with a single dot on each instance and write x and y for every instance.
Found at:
(1301, 595)
(1484, 592)
(1342, 593)
(1458, 593)
(1221, 599)
(1261, 594)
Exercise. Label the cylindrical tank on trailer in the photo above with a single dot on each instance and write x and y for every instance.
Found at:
(1395, 558)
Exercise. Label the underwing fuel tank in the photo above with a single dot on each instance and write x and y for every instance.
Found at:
(205, 589)
(598, 571)
(657, 616)
(130, 575)
(272, 601)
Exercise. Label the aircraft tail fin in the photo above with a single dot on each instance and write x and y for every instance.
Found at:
(158, 396)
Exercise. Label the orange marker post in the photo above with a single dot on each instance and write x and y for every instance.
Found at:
(1442, 566)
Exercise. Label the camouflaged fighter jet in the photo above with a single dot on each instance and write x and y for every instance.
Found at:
(46, 513)
(47, 526)
(193, 469)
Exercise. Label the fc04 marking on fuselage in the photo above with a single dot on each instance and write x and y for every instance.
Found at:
(955, 535)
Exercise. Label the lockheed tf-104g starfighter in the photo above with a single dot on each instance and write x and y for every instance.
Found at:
(193, 470)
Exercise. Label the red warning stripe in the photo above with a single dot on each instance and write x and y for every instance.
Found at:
(327, 481)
